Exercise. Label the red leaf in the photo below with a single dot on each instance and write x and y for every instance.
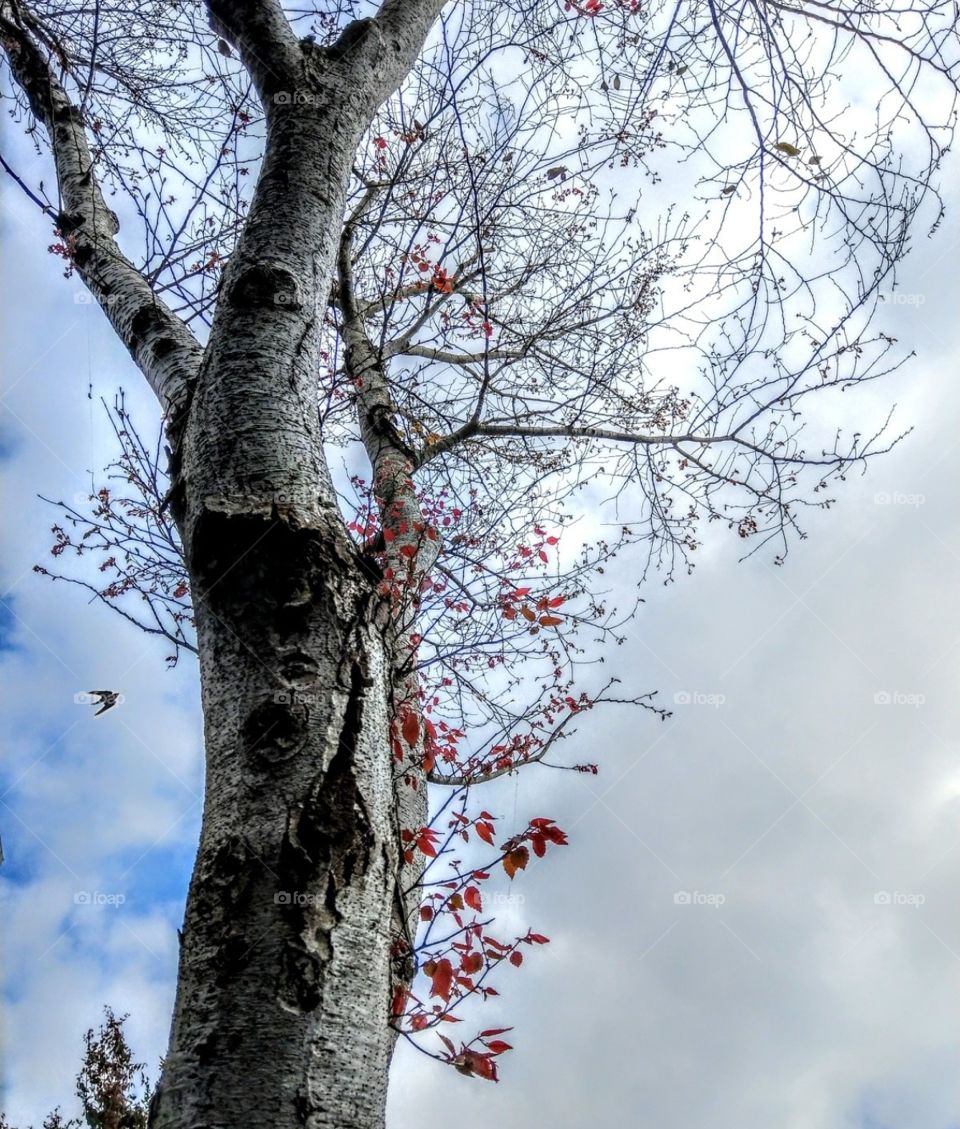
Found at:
(472, 963)
(494, 1031)
(472, 1062)
(516, 959)
(498, 1046)
(485, 831)
(425, 838)
(537, 939)
(411, 728)
(515, 860)
(400, 1002)
(446, 1042)
(442, 979)
(426, 913)
(408, 551)
(550, 620)
(380, 142)
(473, 899)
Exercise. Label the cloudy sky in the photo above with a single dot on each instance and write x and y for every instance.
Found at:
(756, 920)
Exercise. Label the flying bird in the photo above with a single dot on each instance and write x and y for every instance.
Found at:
(107, 700)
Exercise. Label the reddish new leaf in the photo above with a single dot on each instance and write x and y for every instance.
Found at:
(411, 728)
(485, 831)
(441, 979)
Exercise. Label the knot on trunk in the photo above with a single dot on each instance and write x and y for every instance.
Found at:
(275, 730)
(265, 285)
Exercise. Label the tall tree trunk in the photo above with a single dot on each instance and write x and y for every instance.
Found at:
(285, 974)
(285, 979)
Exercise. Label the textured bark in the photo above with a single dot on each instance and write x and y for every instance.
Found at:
(289, 950)
(281, 1015)
(286, 968)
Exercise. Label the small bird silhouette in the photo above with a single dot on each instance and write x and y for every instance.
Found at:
(108, 699)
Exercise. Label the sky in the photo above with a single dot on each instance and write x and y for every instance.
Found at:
(756, 920)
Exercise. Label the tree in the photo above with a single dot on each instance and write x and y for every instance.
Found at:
(113, 1089)
(417, 237)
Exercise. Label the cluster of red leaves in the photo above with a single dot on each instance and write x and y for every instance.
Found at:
(536, 611)
(441, 279)
(538, 834)
(460, 963)
(65, 248)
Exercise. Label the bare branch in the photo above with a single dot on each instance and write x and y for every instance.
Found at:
(161, 345)
(267, 46)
